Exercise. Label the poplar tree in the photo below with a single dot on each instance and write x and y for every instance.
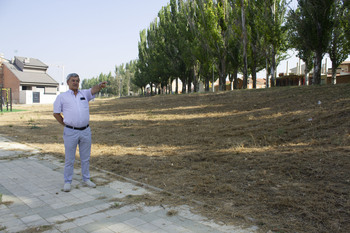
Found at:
(315, 17)
(297, 42)
(339, 48)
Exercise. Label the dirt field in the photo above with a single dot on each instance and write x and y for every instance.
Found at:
(276, 158)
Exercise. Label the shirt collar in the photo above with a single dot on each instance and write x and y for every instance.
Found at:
(72, 92)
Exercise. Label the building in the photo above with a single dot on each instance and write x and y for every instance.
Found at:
(28, 81)
(297, 75)
(342, 73)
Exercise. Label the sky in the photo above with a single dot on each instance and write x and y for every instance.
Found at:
(88, 37)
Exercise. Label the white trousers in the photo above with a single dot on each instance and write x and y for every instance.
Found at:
(72, 138)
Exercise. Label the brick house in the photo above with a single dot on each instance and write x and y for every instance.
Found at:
(29, 81)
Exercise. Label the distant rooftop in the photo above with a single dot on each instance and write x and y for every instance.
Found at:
(30, 71)
(29, 63)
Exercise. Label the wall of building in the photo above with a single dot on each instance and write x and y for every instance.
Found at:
(345, 67)
(1, 76)
(343, 79)
(26, 96)
(12, 82)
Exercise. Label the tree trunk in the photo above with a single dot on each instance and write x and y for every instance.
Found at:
(231, 81)
(254, 62)
(245, 40)
(177, 86)
(235, 79)
(195, 81)
(306, 71)
(316, 79)
(220, 80)
(254, 70)
(223, 74)
(306, 74)
(183, 86)
(161, 90)
(189, 86)
(267, 74)
(273, 66)
(334, 72)
(254, 78)
(206, 84)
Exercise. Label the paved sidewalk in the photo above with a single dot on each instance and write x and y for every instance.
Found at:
(32, 201)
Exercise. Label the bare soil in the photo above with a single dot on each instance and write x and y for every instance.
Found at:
(277, 158)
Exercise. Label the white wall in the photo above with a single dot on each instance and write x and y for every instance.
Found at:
(26, 97)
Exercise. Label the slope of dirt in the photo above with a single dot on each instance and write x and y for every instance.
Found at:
(276, 158)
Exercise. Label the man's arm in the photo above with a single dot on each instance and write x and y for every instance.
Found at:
(97, 88)
(59, 118)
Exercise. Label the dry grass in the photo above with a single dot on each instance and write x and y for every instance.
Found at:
(275, 158)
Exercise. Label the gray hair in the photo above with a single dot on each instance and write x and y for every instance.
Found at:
(72, 75)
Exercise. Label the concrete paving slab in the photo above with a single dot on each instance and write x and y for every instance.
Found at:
(32, 197)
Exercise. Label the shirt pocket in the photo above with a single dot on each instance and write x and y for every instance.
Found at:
(84, 103)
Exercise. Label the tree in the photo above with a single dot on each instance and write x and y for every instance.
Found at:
(346, 21)
(255, 25)
(243, 36)
(245, 44)
(213, 34)
(235, 60)
(188, 43)
(338, 49)
(173, 35)
(296, 42)
(316, 27)
(200, 49)
(274, 12)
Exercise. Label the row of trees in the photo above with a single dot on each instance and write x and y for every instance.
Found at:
(202, 40)
(121, 84)
(318, 27)
(205, 40)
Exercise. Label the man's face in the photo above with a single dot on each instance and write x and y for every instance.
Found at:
(73, 83)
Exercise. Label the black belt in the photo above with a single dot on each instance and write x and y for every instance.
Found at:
(82, 128)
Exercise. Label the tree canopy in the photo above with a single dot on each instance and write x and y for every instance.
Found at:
(201, 41)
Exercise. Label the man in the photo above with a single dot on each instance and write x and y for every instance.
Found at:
(74, 105)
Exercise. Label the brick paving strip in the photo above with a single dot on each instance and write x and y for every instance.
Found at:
(32, 201)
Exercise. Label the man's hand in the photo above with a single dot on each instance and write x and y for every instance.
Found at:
(59, 118)
(99, 87)
(103, 84)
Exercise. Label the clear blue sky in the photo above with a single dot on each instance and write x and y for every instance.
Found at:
(88, 37)
(85, 36)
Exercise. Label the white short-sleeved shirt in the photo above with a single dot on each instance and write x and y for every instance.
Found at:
(75, 109)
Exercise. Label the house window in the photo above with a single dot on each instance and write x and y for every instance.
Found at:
(26, 88)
